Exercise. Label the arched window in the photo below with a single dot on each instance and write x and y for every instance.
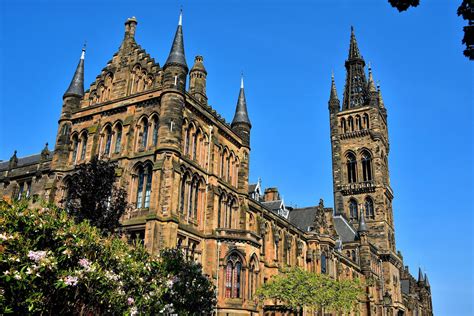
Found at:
(118, 139)
(108, 140)
(353, 211)
(323, 264)
(229, 218)
(144, 187)
(196, 144)
(84, 146)
(75, 146)
(252, 284)
(144, 141)
(220, 209)
(182, 199)
(369, 208)
(366, 121)
(350, 122)
(358, 122)
(343, 125)
(366, 166)
(187, 139)
(155, 131)
(351, 168)
(233, 277)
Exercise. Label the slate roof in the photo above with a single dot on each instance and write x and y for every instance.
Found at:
(23, 161)
(273, 205)
(303, 217)
(252, 187)
(344, 229)
(405, 286)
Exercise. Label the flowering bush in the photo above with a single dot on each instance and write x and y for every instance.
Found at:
(50, 264)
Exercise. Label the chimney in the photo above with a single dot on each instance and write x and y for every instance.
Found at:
(271, 194)
(130, 27)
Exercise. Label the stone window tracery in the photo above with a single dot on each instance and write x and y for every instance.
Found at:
(233, 277)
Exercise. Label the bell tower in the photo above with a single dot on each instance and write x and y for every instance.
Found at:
(360, 147)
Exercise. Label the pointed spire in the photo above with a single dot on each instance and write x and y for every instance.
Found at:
(45, 152)
(13, 161)
(362, 225)
(381, 104)
(76, 88)
(241, 114)
(176, 56)
(427, 282)
(420, 275)
(371, 84)
(354, 52)
(333, 95)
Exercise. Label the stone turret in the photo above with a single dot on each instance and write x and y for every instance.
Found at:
(197, 80)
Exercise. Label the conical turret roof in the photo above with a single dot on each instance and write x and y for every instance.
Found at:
(241, 114)
(333, 94)
(176, 56)
(76, 88)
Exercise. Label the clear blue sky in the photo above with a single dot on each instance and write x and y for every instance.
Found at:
(287, 50)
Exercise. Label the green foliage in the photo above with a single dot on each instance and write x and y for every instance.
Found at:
(191, 292)
(297, 288)
(92, 195)
(52, 265)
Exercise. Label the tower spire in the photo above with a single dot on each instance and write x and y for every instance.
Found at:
(334, 104)
(355, 90)
(354, 52)
(241, 115)
(420, 276)
(176, 56)
(371, 84)
(76, 87)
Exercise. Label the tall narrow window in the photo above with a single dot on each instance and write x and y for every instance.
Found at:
(145, 134)
(196, 200)
(351, 168)
(219, 211)
(366, 166)
(20, 191)
(182, 199)
(358, 122)
(84, 147)
(141, 179)
(343, 125)
(187, 140)
(146, 202)
(195, 144)
(369, 208)
(323, 264)
(353, 211)
(155, 131)
(366, 121)
(237, 275)
(28, 189)
(118, 139)
(75, 145)
(351, 124)
(108, 141)
(228, 279)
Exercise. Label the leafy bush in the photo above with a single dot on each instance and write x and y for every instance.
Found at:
(297, 288)
(52, 265)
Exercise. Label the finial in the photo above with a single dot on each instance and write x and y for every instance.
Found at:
(83, 54)
(241, 80)
(352, 29)
(180, 22)
(378, 85)
(332, 75)
(370, 67)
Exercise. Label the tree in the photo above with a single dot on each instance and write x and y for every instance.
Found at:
(191, 292)
(466, 10)
(54, 266)
(296, 288)
(403, 5)
(93, 195)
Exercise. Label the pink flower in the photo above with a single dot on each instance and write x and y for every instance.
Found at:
(130, 301)
(71, 280)
(36, 255)
(85, 264)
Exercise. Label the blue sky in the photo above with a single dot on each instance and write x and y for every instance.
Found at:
(287, 50)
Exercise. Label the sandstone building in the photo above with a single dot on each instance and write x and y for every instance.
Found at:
(186, 171)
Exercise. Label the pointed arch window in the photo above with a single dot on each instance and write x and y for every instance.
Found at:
(233, 277)
(366, 121)
(182, 198)
(369, 208)
(353, 210)
(351, 168)
(155, 131)
(196, 144)
(366, 166)
(108, 140)
(187, 140)
(84, 147)
(144, 134)
(358, 122)
(343, 125)
(221, 207)
(144, 187)
(350, 122)
(230, 205)
(75, 146)
(118, 139)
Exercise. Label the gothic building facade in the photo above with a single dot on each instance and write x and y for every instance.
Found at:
(186, 171)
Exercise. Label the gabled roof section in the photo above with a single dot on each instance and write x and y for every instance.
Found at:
(303, 218)
(131, 66)
(344, 229)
